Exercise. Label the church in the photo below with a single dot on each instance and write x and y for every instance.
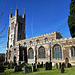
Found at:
(43, 48)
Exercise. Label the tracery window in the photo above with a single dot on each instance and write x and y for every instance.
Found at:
(41, 52)
(46, 39)
(12, 26)
(73, 52)
(14, 51)
(9, 54)
(31, 53)
(38, 41)
(24, 43)
(57, 52)
(31, 42)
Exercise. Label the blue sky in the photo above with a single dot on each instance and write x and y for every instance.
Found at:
(42, 16)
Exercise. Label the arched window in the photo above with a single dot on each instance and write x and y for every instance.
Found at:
(57, 52)
(15, 51)
(31, 53)
(72, 51)
(24, 43)
(46, 39)
(41, 52)
(31, 42)
(38, 41)
(9, 54)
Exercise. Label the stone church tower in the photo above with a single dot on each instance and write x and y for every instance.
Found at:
(16, 29)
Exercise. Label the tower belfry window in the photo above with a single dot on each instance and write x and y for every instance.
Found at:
(9, 54)
(12, 26)
(21, 26)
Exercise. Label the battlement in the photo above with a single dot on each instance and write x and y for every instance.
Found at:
(41, 38)
(64, 39)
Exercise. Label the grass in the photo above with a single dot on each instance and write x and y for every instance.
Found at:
(68, 71)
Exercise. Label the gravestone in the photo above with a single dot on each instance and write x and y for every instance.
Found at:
(38, 65)
(27, 69)
(17, 68)
(62, 68)
(8, 66)
(41, 65)
(63, 65)
(48, 66)
(34, 68)
(56, 65)
(15, 64)
(59, 65)
(69, 65)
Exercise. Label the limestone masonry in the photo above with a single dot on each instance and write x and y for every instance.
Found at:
(36, 49)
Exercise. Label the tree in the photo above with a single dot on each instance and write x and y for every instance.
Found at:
(1, 31)
(71, 18)
(2, 27)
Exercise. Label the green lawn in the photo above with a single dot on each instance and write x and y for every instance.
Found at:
(68, 71)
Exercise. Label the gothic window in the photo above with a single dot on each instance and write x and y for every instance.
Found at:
(38, 41)
(41, 52)
(9, 54)
(46, 39)
(24, 43)
(72, 52)
(31, 42)
(12, 26)
(57, 52)
(14, 50)
(31, 53)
